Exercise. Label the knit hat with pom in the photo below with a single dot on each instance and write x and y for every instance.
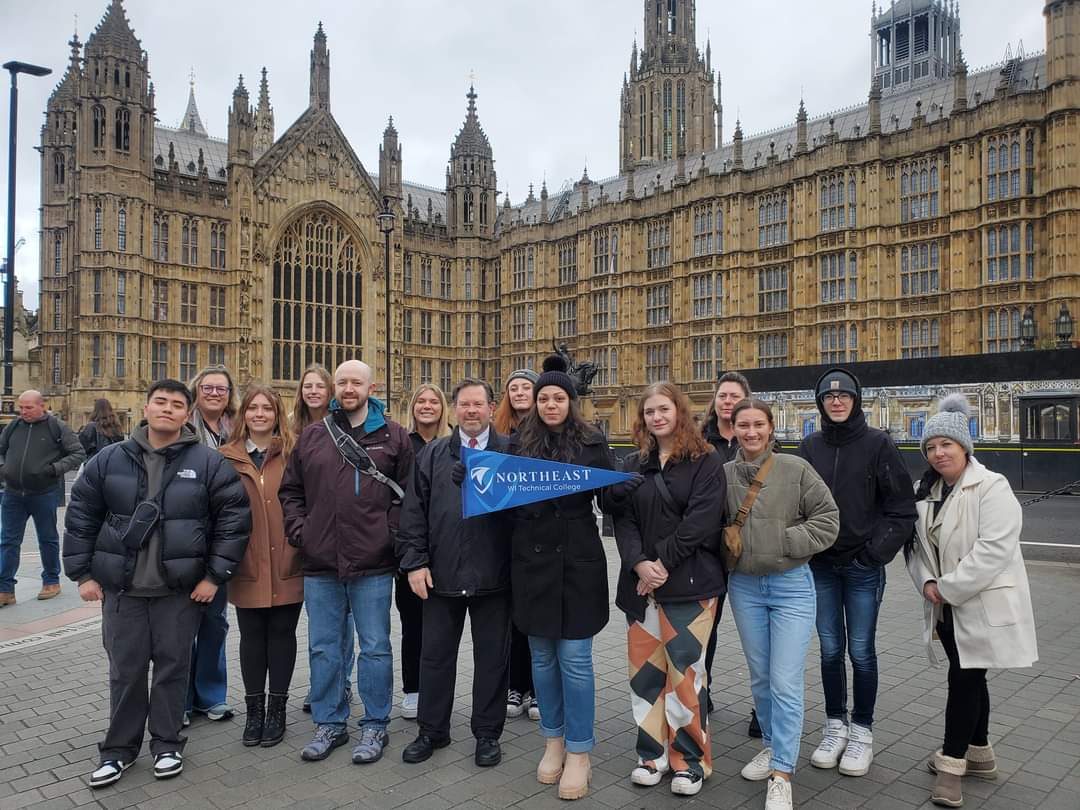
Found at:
(950, 422)
(555, 374)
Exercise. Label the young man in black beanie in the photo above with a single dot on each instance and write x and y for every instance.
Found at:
(870, 483)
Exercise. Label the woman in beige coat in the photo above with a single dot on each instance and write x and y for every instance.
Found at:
(965, 560)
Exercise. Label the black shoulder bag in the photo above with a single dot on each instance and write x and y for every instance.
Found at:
(357, 458)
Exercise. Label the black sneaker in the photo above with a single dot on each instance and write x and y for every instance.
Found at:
(686, 783)
(515, 703)
(108, 772)
(168, 765)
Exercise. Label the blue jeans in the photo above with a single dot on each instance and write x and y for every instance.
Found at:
(368, 598)
(848, 599)
(562, 672)
(209, 672)
(14, 513)
(775, 617)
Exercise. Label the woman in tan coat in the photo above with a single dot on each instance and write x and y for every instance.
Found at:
(268, 589)
(966, 562)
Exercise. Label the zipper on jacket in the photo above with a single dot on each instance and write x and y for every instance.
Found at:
(835, 465)
(26, 447)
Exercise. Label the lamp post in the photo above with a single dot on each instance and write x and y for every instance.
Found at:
(386, 225)
(1028, 329)
(15, 68)
(1063, 327)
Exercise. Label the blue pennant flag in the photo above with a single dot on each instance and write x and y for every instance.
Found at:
(496, 481)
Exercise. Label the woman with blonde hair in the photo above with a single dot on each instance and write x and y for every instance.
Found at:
(312, 401)
(268, 589)
(670, 582)
(428, 420)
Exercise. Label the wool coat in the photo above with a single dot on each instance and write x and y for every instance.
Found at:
(972, 550)
(270, 573)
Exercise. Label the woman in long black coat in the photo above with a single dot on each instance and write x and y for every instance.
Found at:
(559, 576)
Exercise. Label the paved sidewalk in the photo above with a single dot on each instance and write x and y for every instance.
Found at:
(53, 704)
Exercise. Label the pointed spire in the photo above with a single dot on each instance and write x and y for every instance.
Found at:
(69, 83)
(114, 29)
(960, 87)
(532, 195)
(191, 120)
(471, 140)
(738, 144)
(264, 91)
(801, 141)
(319, 93)
(875, 107)
(264, 120)
(239, 91)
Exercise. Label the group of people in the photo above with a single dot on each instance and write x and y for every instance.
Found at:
(338, 507)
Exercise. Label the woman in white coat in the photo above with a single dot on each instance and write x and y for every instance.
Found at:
(965, 560)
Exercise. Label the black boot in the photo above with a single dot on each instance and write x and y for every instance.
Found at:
(256, 718)
(274, 730)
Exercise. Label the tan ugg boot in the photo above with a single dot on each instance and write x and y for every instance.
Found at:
(551, 765)
(981, 762)
(948, 788)
(577, 773)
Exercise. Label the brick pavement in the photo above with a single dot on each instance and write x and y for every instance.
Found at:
(53, 703)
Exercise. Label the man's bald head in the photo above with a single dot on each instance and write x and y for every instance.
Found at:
(352, 385)
(31, 405)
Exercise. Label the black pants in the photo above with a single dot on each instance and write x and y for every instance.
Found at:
(444, 620)
(410, 609)
(520, 662)
(268, 645)
(967, 709)
(135, 632)
(710, 650)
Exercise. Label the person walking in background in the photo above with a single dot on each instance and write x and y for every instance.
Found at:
(428, 420)
(341, 496)
(212, 417)
(36, 450)
(559, 581)
(786, 515)
(869, 481)
(731, 388)
(156, 525)
(457, 566)
(965, 561)
(517, 402)
(268, 588)
(102, 430)
(670, 581)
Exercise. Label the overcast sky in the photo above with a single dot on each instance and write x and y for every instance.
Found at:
(548, 74)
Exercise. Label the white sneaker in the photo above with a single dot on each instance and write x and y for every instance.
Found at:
(833, 742)
(760, 767)
(778, 796)
(534, 709)
(648, 775)
(409, 704)
(516, 703)
(686, 783)
(859, 753)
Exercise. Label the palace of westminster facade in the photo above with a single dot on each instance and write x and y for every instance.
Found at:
(921, 223)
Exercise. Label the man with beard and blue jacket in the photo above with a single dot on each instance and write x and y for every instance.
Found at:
(871, 485)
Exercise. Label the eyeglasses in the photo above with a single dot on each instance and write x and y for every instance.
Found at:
(214, 389)
(842, 397)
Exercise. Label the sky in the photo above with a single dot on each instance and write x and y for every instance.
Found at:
(548, 74)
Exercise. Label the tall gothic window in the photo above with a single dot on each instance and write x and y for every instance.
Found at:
(98, 127)
(122, 130)
(97, 227)
(919, 189)
(121, 230)
(58, 255)
(920, 269)
(317, 292)
(667, 120)
(58, 169)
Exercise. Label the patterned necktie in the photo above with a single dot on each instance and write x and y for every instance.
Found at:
(472, 444)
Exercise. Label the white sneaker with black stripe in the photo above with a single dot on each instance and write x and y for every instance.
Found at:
(168, 765)
(108, 772)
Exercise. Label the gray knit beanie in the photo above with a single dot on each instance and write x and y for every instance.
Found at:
(522, 374)
(950, 422)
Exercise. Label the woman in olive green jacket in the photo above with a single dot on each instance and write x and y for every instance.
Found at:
(771, 589)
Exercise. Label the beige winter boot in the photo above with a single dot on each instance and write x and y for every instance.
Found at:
(981, 762)
(577, 773)
(551, 765)
(948, 788)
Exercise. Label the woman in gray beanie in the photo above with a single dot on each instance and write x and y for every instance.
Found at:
(965, 560)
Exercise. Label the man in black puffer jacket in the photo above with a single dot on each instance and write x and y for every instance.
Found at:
(156, 525)
(871, 485)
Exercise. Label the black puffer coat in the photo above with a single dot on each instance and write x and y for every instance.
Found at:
(205, 525)
(687, 540)
(558, 570)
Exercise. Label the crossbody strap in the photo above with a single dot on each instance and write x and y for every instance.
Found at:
(357, 458)
(752, 493)
(665, 493)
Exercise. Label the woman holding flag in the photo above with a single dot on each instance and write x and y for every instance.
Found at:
(559, 581)
(669, 583)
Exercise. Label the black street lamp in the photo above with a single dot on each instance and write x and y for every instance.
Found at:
(15, 68)
(1063, 327)
(386, 225)
(1028, 329)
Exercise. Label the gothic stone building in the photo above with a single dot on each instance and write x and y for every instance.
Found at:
(923, 222)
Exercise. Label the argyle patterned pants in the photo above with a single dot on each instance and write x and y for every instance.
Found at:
(668, 685)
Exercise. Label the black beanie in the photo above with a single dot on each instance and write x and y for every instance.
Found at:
(555, 374)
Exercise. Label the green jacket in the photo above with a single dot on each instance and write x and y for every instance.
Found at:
(793, 518)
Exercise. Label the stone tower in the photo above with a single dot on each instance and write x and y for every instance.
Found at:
(470, 179)
(668, 100)
(390, 164)
(914, 42)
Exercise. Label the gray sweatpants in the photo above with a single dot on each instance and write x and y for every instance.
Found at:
(137, 631)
